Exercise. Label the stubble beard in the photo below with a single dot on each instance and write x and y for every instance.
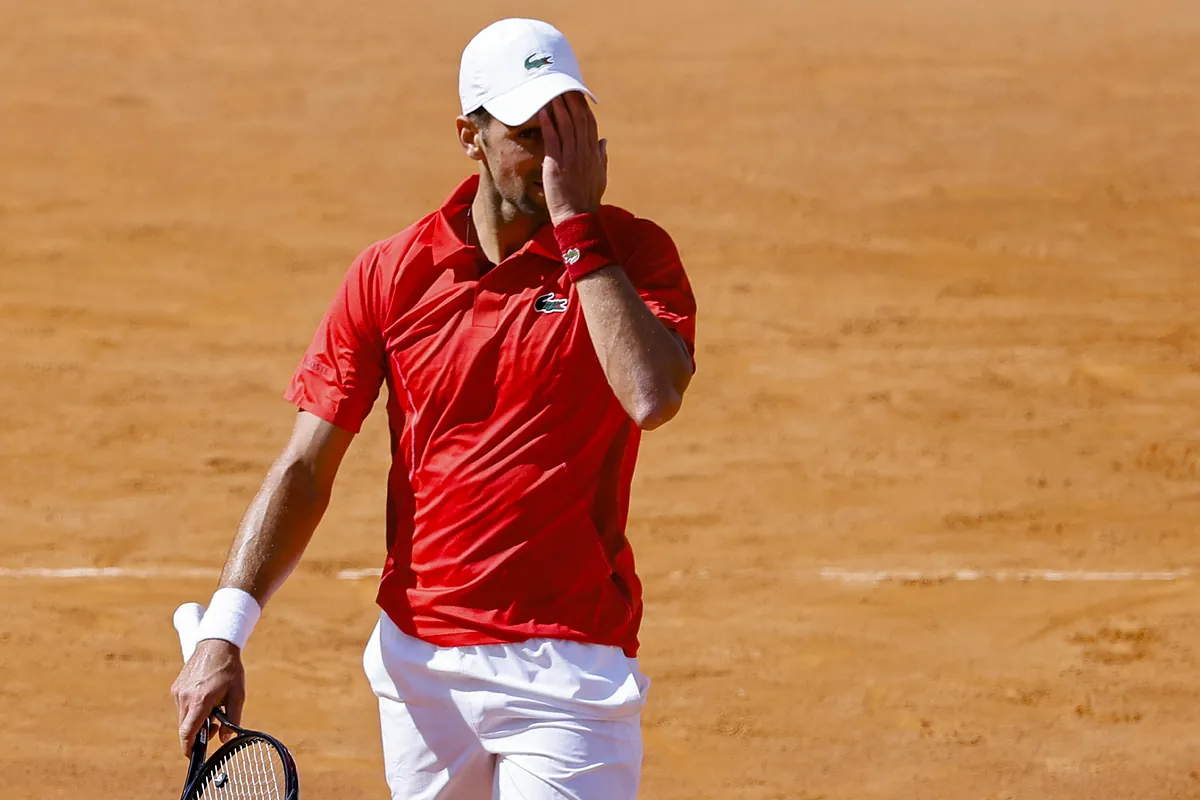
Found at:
(529, 206)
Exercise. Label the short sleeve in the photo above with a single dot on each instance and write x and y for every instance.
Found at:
(656, 271)
(341, 373)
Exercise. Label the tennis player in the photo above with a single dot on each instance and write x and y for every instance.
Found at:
(527, 334)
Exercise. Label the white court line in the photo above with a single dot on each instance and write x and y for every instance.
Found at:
(357, 574)
(106, 572)
(1053, 576)
(150, 573)
(828, 574)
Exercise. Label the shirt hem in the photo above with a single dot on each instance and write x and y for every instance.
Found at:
(475, 638)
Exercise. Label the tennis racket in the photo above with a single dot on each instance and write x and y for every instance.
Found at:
(250, 766)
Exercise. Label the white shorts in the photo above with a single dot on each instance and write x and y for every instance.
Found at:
(544, 719)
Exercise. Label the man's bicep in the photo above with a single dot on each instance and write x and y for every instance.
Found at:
(319, 445)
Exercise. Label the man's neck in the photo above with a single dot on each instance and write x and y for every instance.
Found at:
(502, 229)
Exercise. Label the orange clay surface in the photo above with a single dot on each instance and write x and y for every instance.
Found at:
(946, 255)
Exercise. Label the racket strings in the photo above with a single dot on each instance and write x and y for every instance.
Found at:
(253, 772)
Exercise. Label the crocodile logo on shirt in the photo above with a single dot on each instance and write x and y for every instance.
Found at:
(549, 304)
(536, 61)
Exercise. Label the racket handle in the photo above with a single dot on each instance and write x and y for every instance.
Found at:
(187, 623)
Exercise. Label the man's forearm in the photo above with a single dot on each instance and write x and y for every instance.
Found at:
(276, 529)
(646, 364)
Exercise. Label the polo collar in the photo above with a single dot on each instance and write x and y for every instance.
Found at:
(452, 219)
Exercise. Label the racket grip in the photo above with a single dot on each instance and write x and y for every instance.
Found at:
(187, 623)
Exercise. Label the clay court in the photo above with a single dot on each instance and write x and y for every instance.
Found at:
(926, 525)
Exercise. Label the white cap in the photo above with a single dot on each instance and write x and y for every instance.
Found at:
(514, 67)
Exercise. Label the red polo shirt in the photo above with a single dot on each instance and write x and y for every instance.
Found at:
(511, 456)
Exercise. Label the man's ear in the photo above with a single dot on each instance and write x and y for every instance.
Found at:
(470, 138)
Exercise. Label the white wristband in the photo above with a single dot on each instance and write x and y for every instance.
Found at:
(231, 616)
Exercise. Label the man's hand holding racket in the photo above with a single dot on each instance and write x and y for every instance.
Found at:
(212, 676)
(249, 764)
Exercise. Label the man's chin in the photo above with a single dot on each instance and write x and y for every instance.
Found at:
(534, 208)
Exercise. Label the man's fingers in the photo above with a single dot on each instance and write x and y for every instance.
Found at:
(234, 702)
(562, 123)
(550, 140)
(603, 166)
(575, 166)
(588, 120)
(591, 154)
(189, 726)
(213, 677)
(584, 139)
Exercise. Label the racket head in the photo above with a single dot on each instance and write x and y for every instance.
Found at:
(251, 765)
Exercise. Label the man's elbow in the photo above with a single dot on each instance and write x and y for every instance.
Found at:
(655, 409)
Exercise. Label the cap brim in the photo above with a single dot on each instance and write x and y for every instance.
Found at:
(519, 106)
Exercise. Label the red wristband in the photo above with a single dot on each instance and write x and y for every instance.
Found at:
(584, 245)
